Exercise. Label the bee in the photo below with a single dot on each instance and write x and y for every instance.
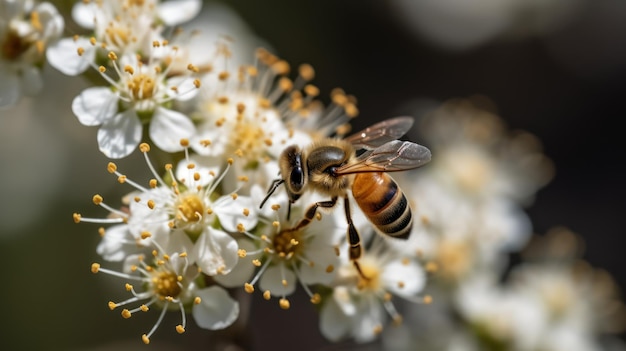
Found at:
(358, 163)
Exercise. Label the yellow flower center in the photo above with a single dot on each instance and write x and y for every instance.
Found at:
(370, 280)
(288, 243)
(189, 210)
(165, 284)
(142, 87)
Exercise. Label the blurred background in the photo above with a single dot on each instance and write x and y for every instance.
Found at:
(555, 68)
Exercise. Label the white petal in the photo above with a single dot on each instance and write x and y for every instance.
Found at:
(215, 252)
(116, 244)
(32, 83)
(185, 88)
(63, 55)
(273, 278)
(322, 259)
(230, 212)
(372, 316)
(83, 13)
(10, 90)
(243, 270)
(94, 106)
(177, 12)
(404, 278)
(216, 310)
(118, 137)
(333, 323)
(168, 127)
(203, 165)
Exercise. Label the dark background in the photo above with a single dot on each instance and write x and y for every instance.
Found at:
(566, 87)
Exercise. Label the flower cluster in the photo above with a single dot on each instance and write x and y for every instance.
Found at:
(217, 130)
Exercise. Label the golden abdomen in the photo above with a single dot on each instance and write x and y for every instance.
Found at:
(383, 202)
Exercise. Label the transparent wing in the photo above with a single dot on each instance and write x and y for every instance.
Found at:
(393, 156)
(380, 133)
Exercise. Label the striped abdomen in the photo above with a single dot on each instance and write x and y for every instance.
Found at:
(384, 204)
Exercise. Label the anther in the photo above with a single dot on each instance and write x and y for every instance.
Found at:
(112, 305)
(77, 217)
(126, 314)
(267, 295)
(144, 147)
(97, 199)
(95, 267)
(316, 298)
(180, 329)
(145, 339)
(284, 303)
(242, 253)
(111, 167)
(249, 288)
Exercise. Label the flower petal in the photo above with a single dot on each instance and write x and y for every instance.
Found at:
(177, 12)
(117, 244)
(230, 212)
(404, 278)
(242, 271)
(119, 136)
(94, 106)
(215, 252)
(273, 280)
(83, 13)
(63, 55)
(333, 323)
(217, 310)
(168, 127)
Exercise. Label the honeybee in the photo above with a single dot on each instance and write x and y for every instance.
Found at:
(332, 167)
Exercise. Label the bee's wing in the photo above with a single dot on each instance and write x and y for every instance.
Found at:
(380, 133)
(393, 156)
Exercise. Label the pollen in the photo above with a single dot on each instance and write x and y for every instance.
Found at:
(316, 299)
(95, 267)
(97, 199)
(284, 303)
(126, 314)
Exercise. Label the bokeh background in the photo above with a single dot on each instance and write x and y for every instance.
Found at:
(555, 68)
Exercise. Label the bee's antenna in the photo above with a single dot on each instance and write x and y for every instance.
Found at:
(275, 184)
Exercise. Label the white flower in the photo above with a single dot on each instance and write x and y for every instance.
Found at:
(26, 30)
(361, 300)
(479, 158)
(179, 216)
(286, 257)
(127, 28)
(137, 97)
(170, 280)
(256, 111)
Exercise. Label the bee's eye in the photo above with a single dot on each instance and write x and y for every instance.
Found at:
(296, 179)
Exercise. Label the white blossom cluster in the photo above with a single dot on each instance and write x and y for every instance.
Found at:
(212, 127)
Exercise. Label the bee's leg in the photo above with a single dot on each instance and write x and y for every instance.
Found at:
(354, 239)
(312, 210)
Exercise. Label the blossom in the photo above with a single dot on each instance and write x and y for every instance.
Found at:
(26, 30)
(127, 28)
(286, 257)
(138, 96)
(362, 298)
(178, 215)
(256, 111)
(552, 300)
(171, 280)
